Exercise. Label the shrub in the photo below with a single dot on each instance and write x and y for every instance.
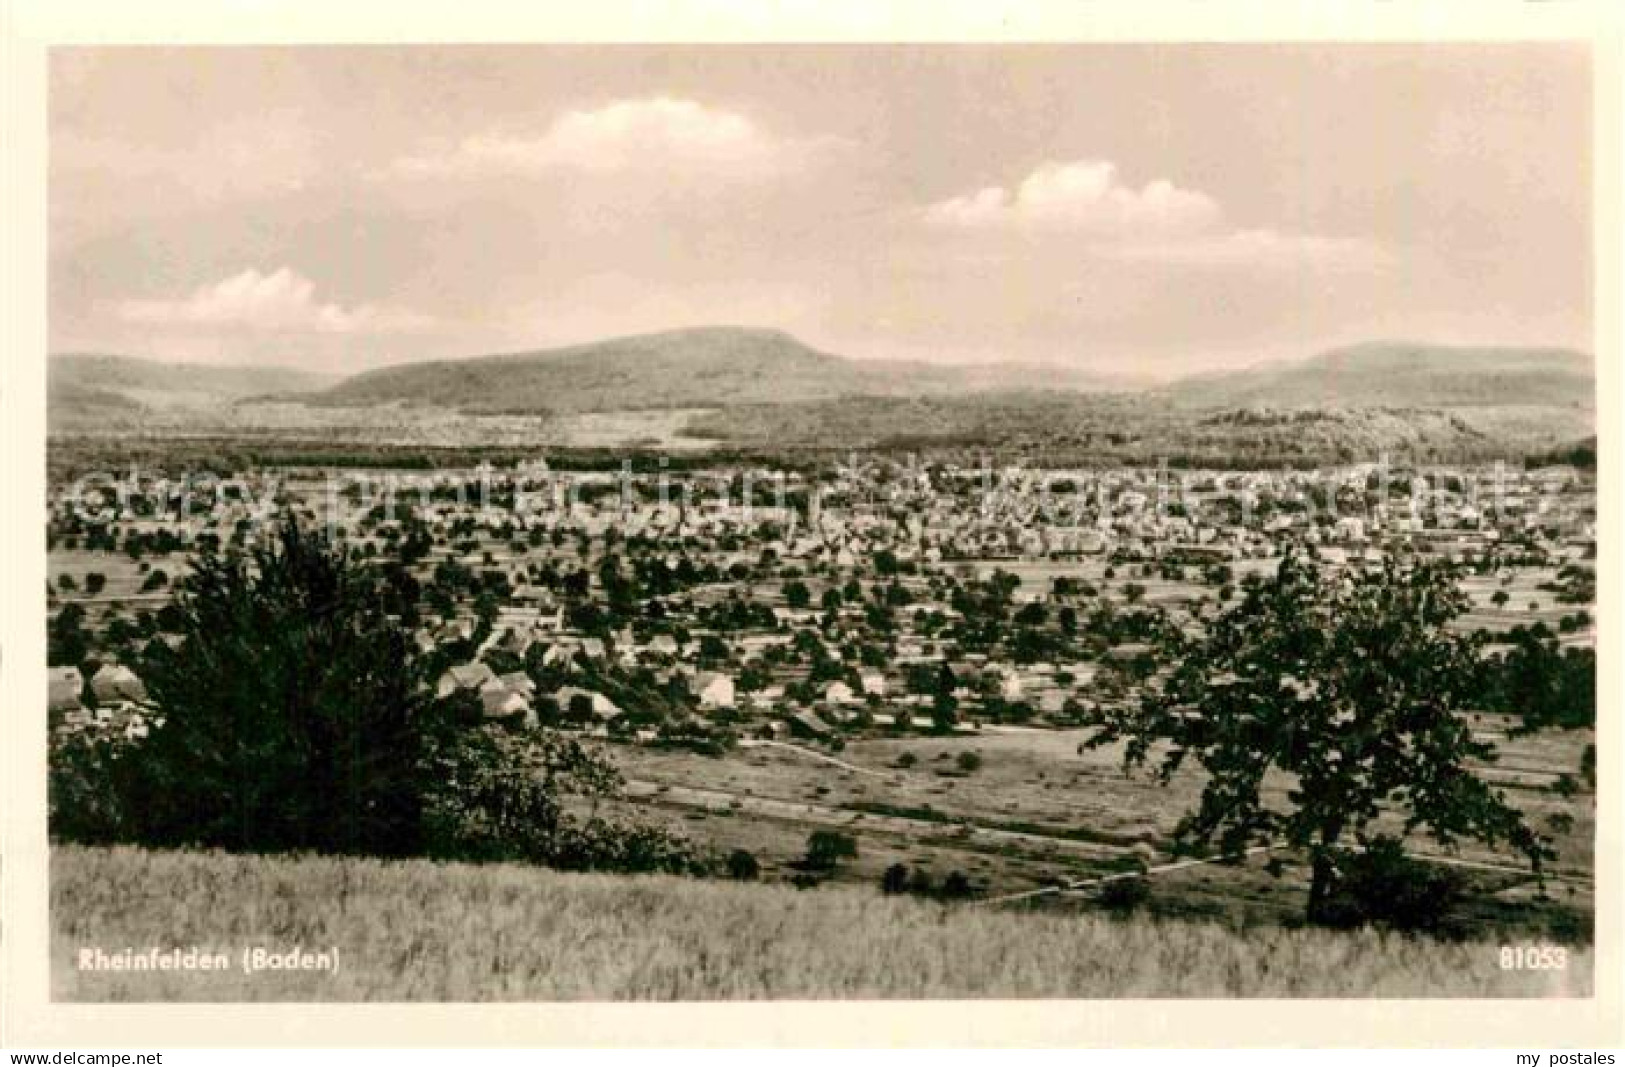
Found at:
(742, 866)
(906, 759)
(1125, 894)
(956, 886)
(1384, 887)
(895, 880)
(969, 762)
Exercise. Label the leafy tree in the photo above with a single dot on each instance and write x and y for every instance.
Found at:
(826, 848)
(895, 880)
(1351, 686)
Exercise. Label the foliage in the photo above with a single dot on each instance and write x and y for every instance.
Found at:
(291, 707)
(742, 866)
(1384, 887)
(1541, 682)
(295, 714)
(1125, 894)
(1348, 682)
(826, 848)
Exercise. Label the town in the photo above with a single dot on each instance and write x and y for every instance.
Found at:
(725, 625)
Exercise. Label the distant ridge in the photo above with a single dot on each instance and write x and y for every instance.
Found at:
(697, 367)
(95, 389)
(1403, 374)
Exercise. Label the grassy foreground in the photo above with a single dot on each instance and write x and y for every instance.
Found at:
(446, 932)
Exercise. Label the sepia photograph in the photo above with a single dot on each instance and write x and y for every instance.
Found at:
(562, 521)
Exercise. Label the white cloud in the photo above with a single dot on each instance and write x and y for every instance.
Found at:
(1158, 222)
(282, 301)
(1084, 197)
(659, 135)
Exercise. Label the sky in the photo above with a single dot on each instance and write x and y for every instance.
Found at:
(1128, 209)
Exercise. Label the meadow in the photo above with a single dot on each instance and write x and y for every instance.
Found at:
(421, 931)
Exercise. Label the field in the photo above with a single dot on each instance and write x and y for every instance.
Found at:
(1037, 812)
(417, 931)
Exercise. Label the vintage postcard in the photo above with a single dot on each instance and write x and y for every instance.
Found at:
(1101, 521)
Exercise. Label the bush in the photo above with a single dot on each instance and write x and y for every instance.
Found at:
(956, 886)
(742, 866)
(492, 794)
(1125, 894)
(895, 880)
(906, 760)
(1384, 887)
(969, 762)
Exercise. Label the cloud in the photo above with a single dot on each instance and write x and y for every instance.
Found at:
(282, 301)
(1158, 222)
(1084, 197)
(659, 135)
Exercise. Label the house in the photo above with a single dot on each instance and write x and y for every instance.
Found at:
(500, 702)
(715, 690)
(63, 688)
(468, 676)
(839, 693)
(873, 683)
(591, 707)
(519, 682)
(1010, 684)
(114, 683)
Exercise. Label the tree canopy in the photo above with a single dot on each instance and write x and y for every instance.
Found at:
(1344, 691)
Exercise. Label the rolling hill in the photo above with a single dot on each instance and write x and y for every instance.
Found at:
(99, 390)
(701, 367)
(1403, 375)
(764, 388)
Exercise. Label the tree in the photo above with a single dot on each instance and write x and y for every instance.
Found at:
(826, 848)
(67, 641)
(894, 880)
(1348, 684)
(290, 708)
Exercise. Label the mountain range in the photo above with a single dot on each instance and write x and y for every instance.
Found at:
(699, 367)
(723, 367)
